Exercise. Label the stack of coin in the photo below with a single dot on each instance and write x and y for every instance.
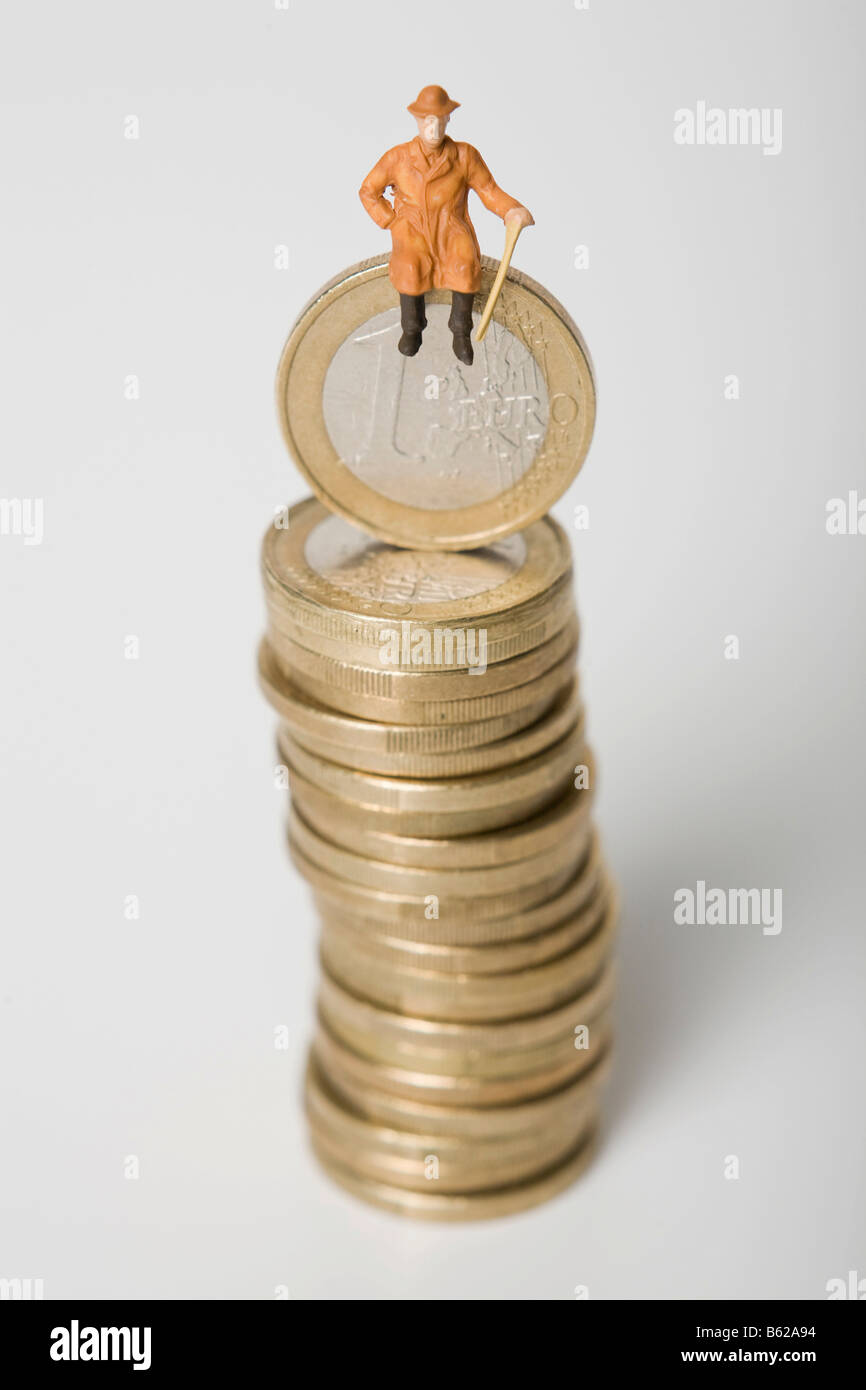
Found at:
(441, 786)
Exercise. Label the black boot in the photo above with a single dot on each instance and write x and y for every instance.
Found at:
(413, 321)
(460, 323)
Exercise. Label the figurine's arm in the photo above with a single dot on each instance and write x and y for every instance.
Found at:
(371, 191)
(494, 198)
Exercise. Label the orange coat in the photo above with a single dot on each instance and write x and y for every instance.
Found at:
(434, 245)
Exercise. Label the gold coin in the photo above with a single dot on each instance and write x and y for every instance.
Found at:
(542, 867)
(465, 998)
(338, 1116)
(489, 1122)
(428, 1173)
(426, 452)
(434, 1206)
(524, 796)
(480, 1048)
(415, 1161)
(465, 917)
(457, 645)
(471, 708)
(407, 749)
(468, 886)
(531, 1075)
(367, 833)
(336, 590)
(346, 1012)
(362, 833)
(349, 740)
(546, 774)
(481, 921)
(393, 950)
(387, 682)
(423, 825)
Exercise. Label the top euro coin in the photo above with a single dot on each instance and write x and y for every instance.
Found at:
(426, 452)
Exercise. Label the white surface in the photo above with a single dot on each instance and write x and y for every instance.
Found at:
(154, 777)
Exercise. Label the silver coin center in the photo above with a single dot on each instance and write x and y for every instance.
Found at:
(371, 569)
(428, 431)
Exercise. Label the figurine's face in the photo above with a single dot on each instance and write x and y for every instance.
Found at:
(432, 128)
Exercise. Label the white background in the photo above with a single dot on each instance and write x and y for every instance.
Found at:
(154, 777)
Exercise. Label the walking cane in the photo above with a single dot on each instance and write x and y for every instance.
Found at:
(512, 232)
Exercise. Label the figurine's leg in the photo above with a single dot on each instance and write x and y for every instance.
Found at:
(413, 321)
(460, 323)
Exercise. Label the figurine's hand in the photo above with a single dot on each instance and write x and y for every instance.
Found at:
(521, 216)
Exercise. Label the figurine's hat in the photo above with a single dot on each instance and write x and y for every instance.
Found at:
(433, 101)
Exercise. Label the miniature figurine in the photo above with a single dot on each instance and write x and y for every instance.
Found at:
(434, 245)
